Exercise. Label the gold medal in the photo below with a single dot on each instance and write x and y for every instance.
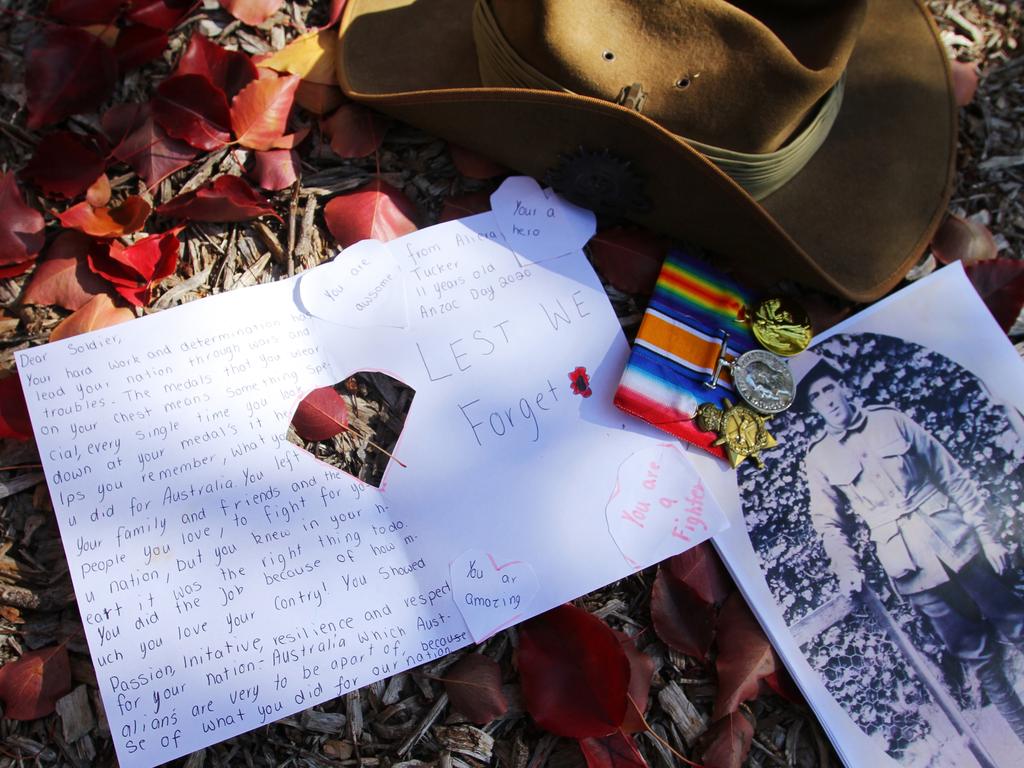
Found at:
(781, 326)
(741, 431)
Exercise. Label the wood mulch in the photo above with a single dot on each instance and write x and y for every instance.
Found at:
(402, 721)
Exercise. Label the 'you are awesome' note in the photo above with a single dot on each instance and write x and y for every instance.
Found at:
(227, 578)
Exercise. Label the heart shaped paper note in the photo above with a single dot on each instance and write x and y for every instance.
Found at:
(538, 224)
(659, 507)
(363, 287)
(491, 595)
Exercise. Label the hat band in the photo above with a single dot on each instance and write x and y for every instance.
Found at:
(758, 174)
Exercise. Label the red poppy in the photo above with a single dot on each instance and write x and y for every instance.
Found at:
(580, 382)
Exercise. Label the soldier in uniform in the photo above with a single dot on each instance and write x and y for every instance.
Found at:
(927, 520)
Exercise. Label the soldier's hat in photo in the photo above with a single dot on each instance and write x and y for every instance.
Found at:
(807, 369)
(812, 140)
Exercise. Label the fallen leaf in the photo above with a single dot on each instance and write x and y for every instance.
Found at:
(355, 131)
(147, 148)
(98, 193)
(965, 81)
(30, 686)
(133, 270)
(253, 12)
(467, 204)
(130, 216)
(82, 12)
(781, 683)
(230, 71)
(745, 656)
(318, 99)
(193, 109)
(99, 312)
(1000, 283)
(276, 169)
(574, 673)
(641, 670)
(960, 239)
(138, 45)
(336, 7)
(259, 113)
(120, 120)
(628, 258)
(226, 198)
(726, 743)
(67, 71)
(64, 164)
(14, 420)
(310, 56)
(473, 165)
(681, 618)
(320, 415)
(473, 685)
(160, 14)
(615, 751)
(376, 211)
(700, 568)
(21, 226)
(107, 33)
(63, 276)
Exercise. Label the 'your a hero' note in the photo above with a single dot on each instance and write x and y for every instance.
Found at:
(227, 578)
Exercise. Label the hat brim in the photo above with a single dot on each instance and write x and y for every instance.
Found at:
(851, 222)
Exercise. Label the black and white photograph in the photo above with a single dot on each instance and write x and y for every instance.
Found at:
(888, 524)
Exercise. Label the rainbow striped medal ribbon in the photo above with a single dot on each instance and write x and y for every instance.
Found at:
(695, 326)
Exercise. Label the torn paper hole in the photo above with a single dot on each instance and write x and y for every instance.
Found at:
(490, 592)
(355, 424)
(539, 225)
(659, 506)
(362, 287)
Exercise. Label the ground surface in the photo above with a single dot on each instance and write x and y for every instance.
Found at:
(404, 720)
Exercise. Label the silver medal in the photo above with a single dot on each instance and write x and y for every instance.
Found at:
(763, 380)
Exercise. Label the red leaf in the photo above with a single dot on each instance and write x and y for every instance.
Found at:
(321, 415)
(318, 99)
(14, 421)
(473, 684)
(615, 751)
(64, 164)
(276, 168)
(377, 211)
(230, 71)
(965, 81)
(130, 216)
(259, 113)
(21, 227)
(252, 11)
(99, 312)
(473, 165)
(138, 45)
(960, 239)
(681, 618)
(336, 8)
(467, 204)
(160, 14)
(13, 270)
(574, 673)
(63, 276)
(1000, 282)
(226, 198)
(30, 686)
(701, 570)
(121, 119)
(727, 742)
(68, 71)
(98, 193)
(193, 109)
(641, 670)
(133, 270)
(628, 258)
(355, 131)
(145, 146)
(782, 684)
(83, 12)
(745, 656)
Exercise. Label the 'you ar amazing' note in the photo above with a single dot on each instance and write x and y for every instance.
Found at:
(227, 578)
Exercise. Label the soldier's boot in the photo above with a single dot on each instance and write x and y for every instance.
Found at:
(1002, 694)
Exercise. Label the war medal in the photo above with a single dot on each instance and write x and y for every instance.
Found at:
(764, 381)
(781, 326)
(741, 431)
